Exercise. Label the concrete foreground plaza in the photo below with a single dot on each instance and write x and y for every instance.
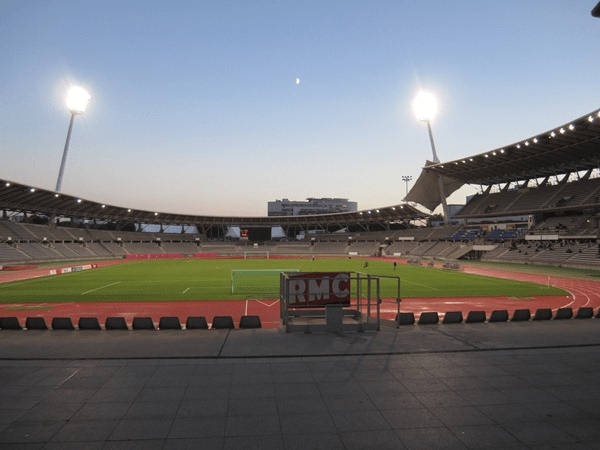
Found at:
(497, 385)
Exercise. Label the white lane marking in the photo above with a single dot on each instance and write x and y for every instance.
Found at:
(101, 287)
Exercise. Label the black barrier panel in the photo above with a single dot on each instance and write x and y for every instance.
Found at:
(142, 323)
(563, 313)
(500, 315)
(88, 323)
(521, 315)
(475, 317)
(222, 322)
(10, 323)
(62, 323)
(429, 318)
(196, 323)
(115, 323)
(250, 322)
(407, 318)
(453, 317)
(169, 323)
(585, 313)
(35, 323)
(543, 314)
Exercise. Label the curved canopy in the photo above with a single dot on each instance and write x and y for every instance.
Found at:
(22, 198)
(572, 147)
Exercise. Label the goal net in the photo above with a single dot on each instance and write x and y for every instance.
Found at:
(415, 260)
(262, 283)
(427, 261)
(256, 255)
(451, 264)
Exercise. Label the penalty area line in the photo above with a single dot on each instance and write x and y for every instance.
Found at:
(101, 287)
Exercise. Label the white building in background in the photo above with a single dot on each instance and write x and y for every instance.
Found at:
(286, 207)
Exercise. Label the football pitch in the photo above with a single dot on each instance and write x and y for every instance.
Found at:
(195, 279)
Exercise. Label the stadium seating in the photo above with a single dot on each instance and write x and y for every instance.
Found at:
(576, 248)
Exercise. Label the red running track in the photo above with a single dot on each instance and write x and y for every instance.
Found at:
(584, 293)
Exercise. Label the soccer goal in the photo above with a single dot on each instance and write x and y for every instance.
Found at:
(414, 260)
(262, 283)
(453, 264)
(427, 261)
(256, 255)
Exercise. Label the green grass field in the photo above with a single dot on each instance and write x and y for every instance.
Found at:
(173, 280)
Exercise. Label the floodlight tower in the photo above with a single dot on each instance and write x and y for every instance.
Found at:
(406, 179)
(425, 107)
(77, 100)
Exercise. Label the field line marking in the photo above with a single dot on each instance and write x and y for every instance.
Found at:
(185, 290)
(266, 304)
(101, 287)
(419, 284)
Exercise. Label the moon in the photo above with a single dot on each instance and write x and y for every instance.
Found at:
(297, 80)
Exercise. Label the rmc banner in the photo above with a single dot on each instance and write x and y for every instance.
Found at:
(315, 289)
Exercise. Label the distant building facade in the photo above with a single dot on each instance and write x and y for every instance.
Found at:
(286, 207)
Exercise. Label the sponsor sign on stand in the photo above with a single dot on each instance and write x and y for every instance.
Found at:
(307, 290)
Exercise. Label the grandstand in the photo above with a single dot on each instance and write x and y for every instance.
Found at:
(552, 179)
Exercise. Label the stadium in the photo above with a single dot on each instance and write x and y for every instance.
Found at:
(538, 207)
(394, 326)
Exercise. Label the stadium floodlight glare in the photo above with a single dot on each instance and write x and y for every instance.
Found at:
(77, 100)
(426, 107)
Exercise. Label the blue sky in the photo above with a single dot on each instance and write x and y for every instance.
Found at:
(195, 106)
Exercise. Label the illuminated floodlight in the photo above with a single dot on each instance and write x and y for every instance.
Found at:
(425, 106)
(591, 119)
(571, 127)
(562, 131)
(77, 100)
